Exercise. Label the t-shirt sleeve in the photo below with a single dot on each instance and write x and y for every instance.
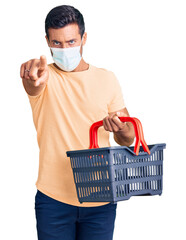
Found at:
(116, 101)
(36, 103)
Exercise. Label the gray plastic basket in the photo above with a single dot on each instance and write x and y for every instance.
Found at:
(113, 174)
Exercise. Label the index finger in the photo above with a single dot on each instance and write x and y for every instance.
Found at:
(43, 63)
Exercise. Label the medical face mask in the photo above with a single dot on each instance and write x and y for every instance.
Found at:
(67, 58)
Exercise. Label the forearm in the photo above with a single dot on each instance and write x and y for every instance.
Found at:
(125, 137)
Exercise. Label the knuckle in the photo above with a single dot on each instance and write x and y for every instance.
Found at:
(35, 60)
(114, 117)
(120, 128)
(32, 76)
(116, 130)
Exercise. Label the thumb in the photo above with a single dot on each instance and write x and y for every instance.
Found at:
(121, 114)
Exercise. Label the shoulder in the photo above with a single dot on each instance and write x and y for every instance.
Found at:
(104, 72)
(51, 67)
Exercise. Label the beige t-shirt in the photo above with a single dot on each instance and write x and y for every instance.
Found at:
(63, 113)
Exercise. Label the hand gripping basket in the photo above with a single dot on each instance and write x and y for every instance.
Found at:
(113, 174)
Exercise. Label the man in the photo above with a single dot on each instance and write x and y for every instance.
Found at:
(66, 98)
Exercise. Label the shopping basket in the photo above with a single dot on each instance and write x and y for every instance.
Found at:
(112, 174)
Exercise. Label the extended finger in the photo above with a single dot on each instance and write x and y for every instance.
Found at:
(34, 70)
(43, 63)
(42, 66)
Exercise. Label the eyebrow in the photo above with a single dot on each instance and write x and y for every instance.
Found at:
(65, 41)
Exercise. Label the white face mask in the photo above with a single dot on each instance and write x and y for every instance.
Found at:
(67, 58)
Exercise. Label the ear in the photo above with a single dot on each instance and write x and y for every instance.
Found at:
(48, 44)
(47, 40)
(84, 38)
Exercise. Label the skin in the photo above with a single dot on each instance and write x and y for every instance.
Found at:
(36, 79)
(66, 37)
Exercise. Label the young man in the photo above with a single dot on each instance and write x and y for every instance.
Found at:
(66, 98)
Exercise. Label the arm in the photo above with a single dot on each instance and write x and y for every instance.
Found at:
(36, 78)
(123, 132)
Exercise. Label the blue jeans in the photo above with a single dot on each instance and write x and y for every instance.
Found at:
(61, 221)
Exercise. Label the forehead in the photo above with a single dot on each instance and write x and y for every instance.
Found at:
(68, 32)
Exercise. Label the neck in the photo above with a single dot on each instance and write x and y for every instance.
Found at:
(82, 66)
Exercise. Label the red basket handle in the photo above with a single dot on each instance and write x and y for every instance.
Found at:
(142, 140)
(137, 128)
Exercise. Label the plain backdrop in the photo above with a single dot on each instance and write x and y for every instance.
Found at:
(143, 43)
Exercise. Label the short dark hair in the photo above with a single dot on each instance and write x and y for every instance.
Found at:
(63, 15)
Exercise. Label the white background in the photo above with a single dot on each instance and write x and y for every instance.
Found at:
(144, 44)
